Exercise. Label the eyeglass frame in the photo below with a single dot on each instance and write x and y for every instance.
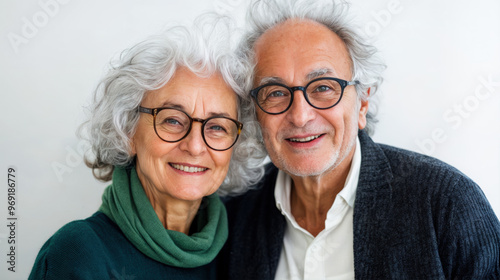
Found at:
(155, 111)
(343, 84)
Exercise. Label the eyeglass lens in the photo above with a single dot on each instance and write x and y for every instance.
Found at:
(219, 133)
(321, 93)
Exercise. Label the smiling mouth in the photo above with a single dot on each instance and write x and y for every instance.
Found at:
(304, 140)
(189, 169)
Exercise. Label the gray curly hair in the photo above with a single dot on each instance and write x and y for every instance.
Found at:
(205, 49)
(367, 67)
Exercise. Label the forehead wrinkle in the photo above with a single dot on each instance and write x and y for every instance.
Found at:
(183, 108)
(316, 73)
(207, 113)
(275, 53)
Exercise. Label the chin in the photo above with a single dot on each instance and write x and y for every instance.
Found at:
(310, 166)
(307, 171)
(190, 196)
(193, 193)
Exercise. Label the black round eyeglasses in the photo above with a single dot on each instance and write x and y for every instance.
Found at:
(172, 125)
(321, 93)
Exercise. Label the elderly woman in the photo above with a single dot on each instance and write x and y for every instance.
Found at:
(167, 128)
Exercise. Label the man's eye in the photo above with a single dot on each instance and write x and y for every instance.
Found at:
(323, 88)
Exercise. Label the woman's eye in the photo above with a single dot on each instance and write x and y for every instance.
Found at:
(170, 121)
(217, 128)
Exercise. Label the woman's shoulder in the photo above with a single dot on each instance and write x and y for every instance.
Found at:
(81, 235)
(79, 245)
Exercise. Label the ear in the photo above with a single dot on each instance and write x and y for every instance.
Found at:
(363, 110)
(133, 151)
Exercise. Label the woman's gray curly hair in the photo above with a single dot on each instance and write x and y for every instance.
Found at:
(367, 67)
(205, 49)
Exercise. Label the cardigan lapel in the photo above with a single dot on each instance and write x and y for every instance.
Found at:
(372, 207)
(277, 222)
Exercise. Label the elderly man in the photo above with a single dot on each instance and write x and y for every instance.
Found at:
(334, 204)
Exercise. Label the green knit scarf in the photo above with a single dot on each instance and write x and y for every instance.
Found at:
(126, 203)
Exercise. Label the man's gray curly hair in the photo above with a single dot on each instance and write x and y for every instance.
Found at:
(366, 66)
(205, 49)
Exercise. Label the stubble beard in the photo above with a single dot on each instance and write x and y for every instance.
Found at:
(300, 170)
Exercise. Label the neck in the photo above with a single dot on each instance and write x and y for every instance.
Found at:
(173, 213)
(312, 197)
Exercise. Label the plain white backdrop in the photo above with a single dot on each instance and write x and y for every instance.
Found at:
(441, 94)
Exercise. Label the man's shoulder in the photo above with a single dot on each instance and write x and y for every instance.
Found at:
(422, 176)
(429, 207)
(383, 163)
(405, 163)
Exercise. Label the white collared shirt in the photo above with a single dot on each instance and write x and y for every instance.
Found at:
(330, 254)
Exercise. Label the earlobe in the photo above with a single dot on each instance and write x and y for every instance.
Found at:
(363, 110)
(133, 152)
(362, 114)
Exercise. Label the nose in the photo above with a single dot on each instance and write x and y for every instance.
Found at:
(194, 143)
(300, 112)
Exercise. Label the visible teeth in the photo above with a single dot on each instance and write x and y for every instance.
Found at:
(188, 169)
(307, 139)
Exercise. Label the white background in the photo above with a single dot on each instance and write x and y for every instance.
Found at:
(437, 52)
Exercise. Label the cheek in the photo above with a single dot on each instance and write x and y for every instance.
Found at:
(142, 137)
(222, 160)
(150, 148)
(221, 163)
(337, 118)
(342, 121)
(351, 114)
(154, 151)
(269, 125)
(261, 116)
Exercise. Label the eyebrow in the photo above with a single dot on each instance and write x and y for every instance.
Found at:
(182, 108)
(316, 73)
(269, 80)
(172, 105)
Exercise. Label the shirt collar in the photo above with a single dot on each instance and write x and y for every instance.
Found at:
(348, 193)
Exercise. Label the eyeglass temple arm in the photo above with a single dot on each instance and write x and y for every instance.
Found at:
(146, 110)
(353, 83)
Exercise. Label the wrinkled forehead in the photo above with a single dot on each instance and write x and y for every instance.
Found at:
(299, 49)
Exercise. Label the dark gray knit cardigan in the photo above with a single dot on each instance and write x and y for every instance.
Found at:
(415, 217)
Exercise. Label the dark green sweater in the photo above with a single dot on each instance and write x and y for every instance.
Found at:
(95, 248)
